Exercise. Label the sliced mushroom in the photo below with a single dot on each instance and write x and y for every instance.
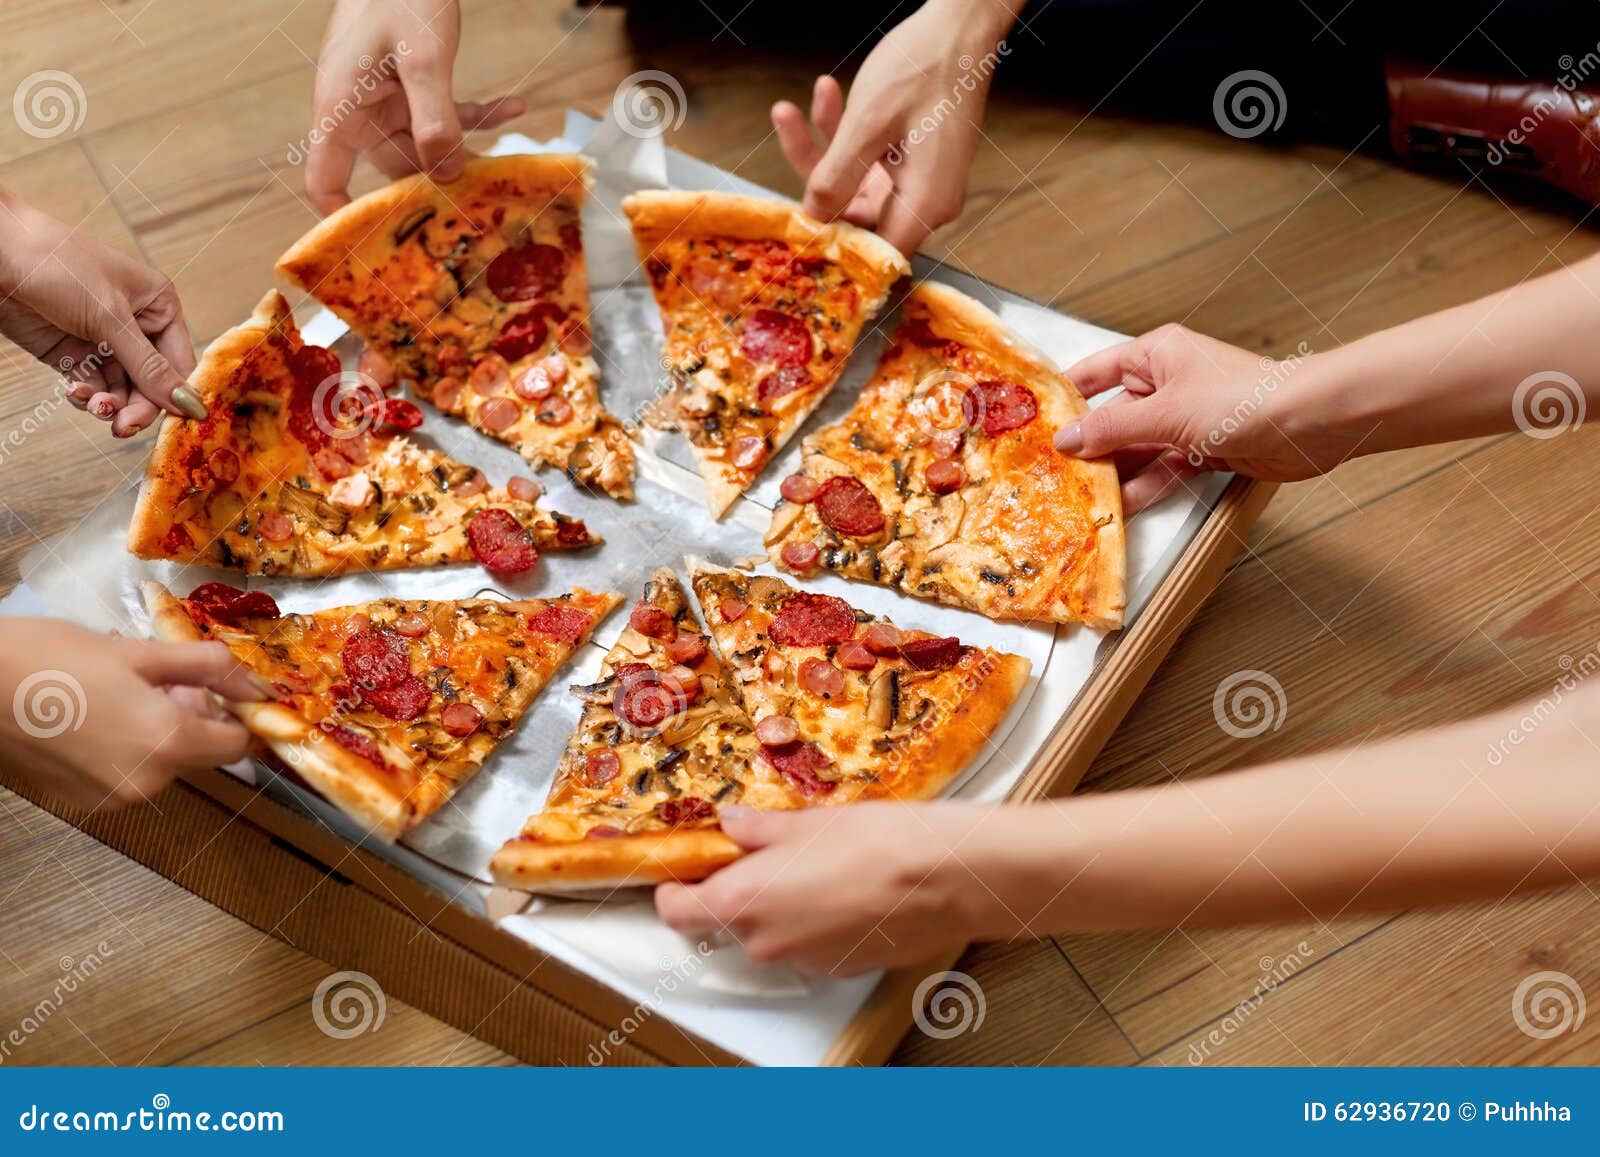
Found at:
(883, 699)
(314, 507)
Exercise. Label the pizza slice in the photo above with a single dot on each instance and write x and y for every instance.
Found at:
(849, 707)
(386, 708)
(944, 482)
(300, 471)
(475, 292)
(761, 306)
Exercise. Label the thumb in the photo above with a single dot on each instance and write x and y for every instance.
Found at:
(1118, 424)
(752, 829)
(151, 372)
(208, 665)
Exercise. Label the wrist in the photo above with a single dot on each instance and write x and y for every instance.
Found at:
(975, 27)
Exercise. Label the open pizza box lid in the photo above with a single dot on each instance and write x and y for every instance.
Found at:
(700, 1001)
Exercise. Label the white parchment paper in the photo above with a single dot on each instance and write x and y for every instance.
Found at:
(768, 1015)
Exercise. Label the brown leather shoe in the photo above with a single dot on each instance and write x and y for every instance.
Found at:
(1540, 129)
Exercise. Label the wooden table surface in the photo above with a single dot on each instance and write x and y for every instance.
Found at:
(1400, 591)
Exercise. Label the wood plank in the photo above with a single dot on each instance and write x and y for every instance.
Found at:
(404, 1037)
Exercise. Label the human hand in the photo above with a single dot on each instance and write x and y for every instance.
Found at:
(1194, 403)
(843, 890)
(384, 84)
(880, 165)
(108, 323)
(99, 719)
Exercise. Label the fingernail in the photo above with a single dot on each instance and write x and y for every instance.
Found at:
(1069, 439)
(260, 684)
(184, 399)
(736, 811)
(449, 168)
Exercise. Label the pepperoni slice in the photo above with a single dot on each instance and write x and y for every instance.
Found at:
(602, 832)
(357, 448)
(644, 702)
(799, 488)
(526, 272)
(810, 620)
(566, 624)
(375, 657)
(945, 476)
(932, 654)
(499, 414)
(800, 556)
(533, 383)
(490, 375)
(800, 763)
(571, 238)
(331, 463)
(371, 364)
(845, 505)
(555, 368)
(652, 621)
(523, 489)
(777, 731)
(395, 414)
(224, 465)
(555, 411)
(999, 406)
(687, 649)
(628, 669)
(684, 810)
(601, 767)
(683, 684)
(882, 639)
(460, 719)
(520, 336)
(208, 596)
(405, 700)
(447, 395)
(500, 542)
(355, 742)
(732, 610)
(770, 336)
(781, 382)
(749, 452)
(353, 625)
(228, 604)
(313, 364)
(474, 483)
(821, 677)
(412, 624)
(854, 657)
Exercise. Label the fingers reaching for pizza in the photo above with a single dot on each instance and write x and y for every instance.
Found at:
(1193, 403)
(384, 90)
(111, 325)
(841, 891)
(107, 721)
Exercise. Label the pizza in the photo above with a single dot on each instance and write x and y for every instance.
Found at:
(943, 480)
(662, 744)
(293, 474)
(474, 291)
(847, 706)
(385, 708)
(760, 307)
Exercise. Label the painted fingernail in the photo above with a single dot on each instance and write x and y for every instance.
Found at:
(1069, 439)
(185, 400)
(104, 408)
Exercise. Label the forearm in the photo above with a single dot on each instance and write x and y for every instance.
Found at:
(983, 24)
(1447, 815)
(1455, 374)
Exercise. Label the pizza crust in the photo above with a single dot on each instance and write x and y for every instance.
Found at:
(685, 855)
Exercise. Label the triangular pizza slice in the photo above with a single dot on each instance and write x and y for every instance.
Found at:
(300, 471)
(944, 482)
(662, 744)
(761, 306)
(386, 708)
(848, 706)
(474, 291)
